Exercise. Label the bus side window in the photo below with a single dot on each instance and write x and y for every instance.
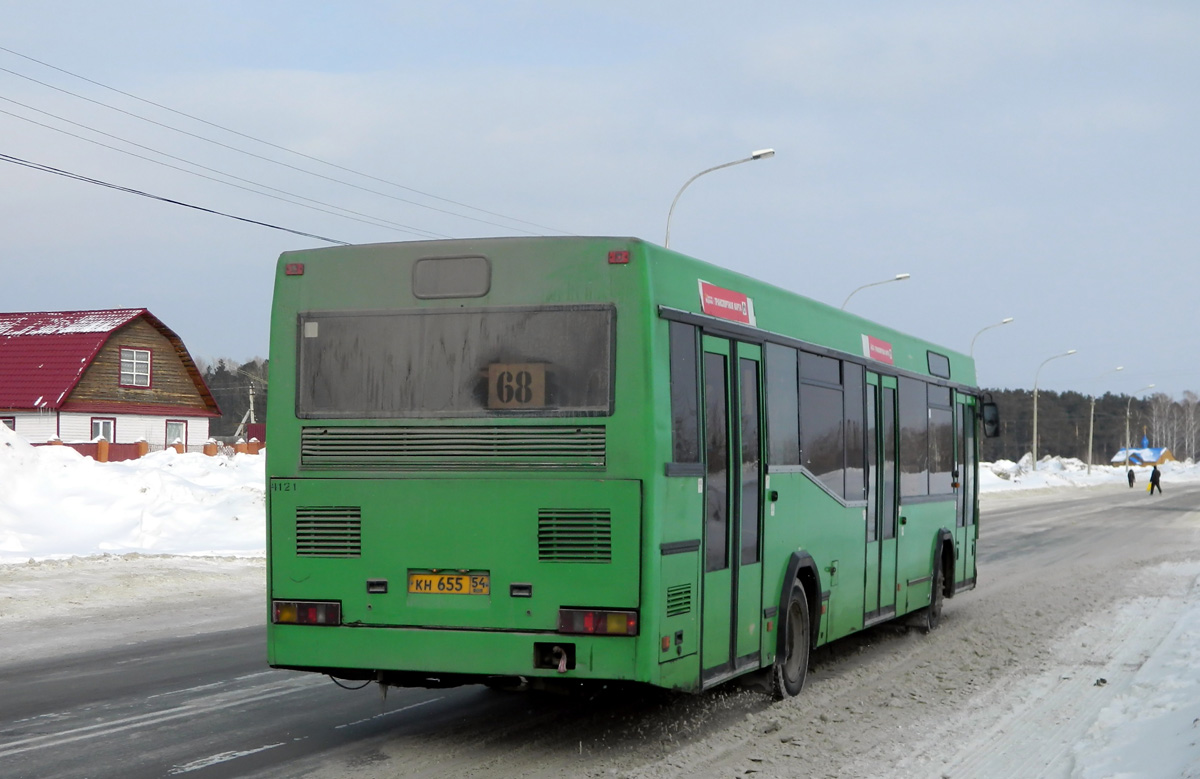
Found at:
(941, 441)
(854, 381)
(914, 438)
(822, 421)
(685, 394)
(783, 406)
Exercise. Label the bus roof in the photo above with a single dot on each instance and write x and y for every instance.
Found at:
(680, 286)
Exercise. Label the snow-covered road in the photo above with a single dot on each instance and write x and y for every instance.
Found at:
(1081, 664)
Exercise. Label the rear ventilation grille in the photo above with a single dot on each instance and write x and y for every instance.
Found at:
(453, 448)
(328, 531)
(574, 536)
(679, 600)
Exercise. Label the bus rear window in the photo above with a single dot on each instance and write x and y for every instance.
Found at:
(456, 363)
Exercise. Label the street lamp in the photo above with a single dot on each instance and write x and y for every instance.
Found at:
(761, 154)
(897, 277)
(1067, 353)
(1092, 417)
(1127, 404)
(1003, 321)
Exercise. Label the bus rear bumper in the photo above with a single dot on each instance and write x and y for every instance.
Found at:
(461, 656)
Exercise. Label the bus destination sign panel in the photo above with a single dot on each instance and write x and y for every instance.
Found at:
(877, 349)
(726, 304)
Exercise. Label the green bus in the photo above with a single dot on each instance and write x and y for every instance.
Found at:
(550, 461)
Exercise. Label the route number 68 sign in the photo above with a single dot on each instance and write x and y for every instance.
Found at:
(516, 385)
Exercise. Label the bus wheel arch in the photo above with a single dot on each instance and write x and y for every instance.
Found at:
(939, 590)
(947, 553)
(799, 622)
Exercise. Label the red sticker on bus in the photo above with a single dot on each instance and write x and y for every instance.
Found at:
(726, 304)
(877, 349)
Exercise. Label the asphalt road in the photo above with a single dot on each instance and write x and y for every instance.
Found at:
(204, 706)
(207, 706)
(1062, 527)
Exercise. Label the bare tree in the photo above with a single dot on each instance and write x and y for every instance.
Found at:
(1160, 419)
(1190, 424)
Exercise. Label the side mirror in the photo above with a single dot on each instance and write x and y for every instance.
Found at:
(991, 419)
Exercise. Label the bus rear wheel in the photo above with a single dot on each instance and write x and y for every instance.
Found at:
(791, 663)
(933, 612)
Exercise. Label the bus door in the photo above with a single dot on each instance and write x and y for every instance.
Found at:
(965, 465)
(879, 602)
(733, 486)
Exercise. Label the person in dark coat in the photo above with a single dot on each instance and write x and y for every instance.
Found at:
(1155, 475)
(1131, 478)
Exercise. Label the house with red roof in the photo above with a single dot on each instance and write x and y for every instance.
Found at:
(120, 374)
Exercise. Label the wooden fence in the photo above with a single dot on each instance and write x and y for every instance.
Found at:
(102, 451)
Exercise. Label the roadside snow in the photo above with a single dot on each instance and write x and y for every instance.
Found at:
(170, 542)
(1155, 721)
(177, 542)
(62, 606)
(1116, 697)
(57, 504)
(1057, 472)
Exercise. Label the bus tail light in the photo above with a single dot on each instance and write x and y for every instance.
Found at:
(306, 612)
(598, 622)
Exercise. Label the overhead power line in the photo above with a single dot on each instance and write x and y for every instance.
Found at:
(130, 190)
(374, 221)
(243, 151)
(274, 146)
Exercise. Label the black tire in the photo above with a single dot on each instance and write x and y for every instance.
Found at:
(933, 612)
(791, 663)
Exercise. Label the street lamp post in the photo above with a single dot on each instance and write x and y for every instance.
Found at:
(1067, 353)
(1092, 418)
(1003, 321)
(897, 277)
(1128, 403)
(761, 154)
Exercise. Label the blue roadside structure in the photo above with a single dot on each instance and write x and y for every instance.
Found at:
(1144, 456)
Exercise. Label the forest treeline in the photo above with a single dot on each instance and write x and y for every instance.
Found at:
(1063, 420)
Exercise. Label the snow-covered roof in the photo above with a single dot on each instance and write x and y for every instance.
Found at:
(1139, 456)
(65, 322)
(44, 354)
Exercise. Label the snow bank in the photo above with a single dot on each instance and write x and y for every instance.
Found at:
(1068, 472)
(57, 503)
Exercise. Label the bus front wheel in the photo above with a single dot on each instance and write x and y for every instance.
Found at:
(791, 664)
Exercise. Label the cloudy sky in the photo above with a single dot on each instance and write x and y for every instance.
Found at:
(1035, 160)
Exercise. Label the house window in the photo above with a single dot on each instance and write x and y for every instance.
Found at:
(135, 367)
(9, 422)
(176, 431)
(103, 428)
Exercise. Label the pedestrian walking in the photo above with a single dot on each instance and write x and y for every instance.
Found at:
(1155, 475)
(1131, 478)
